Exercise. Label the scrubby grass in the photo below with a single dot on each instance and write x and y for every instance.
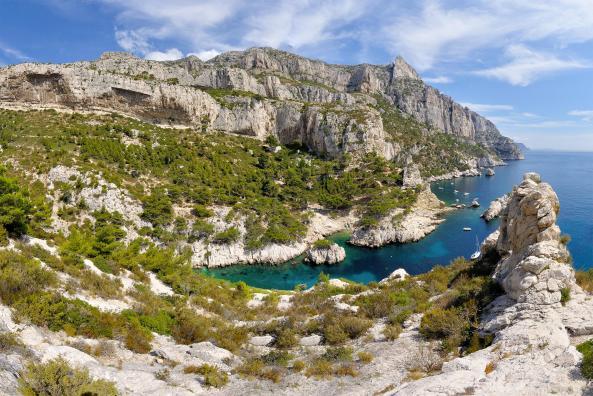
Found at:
(57, 378)
(586, 348)
(585, 279)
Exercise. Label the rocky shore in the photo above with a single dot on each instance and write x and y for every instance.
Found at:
(401, 227)
(533, 350)
(496, 207)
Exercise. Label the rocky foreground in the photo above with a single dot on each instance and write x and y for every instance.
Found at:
(535, 323)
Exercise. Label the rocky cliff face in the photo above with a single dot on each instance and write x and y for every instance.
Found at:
(257, 92)
(534, 322)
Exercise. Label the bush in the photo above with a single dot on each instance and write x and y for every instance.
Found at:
(448, 325)
(10, 342)
(338, 354)
(586, 348)
(57, 378)
(137, 339)
(158, 209)
(201, 211)
(564, 295)
(298, 366)
(15, 206)
(585, 279)
(320, 368)
(188, 328)
(277, 358)
(365, 357)
(322, 244)
(229, 235)
(213, 376)
(286, 339)
(392, 331)
(20, 277)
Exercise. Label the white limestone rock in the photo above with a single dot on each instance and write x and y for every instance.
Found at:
(332, 254)
(495, 208)
(398, 227)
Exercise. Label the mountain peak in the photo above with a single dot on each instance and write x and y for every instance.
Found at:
(402, 69)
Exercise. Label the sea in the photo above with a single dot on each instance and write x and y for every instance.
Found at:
(569, 173)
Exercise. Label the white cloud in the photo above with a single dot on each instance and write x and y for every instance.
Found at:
(205, 55)
(487, 108)
(527, 65)
(132, 41)
(427, 33)
(450, 30)
(13, 53)
(438, 80)
(168, 55)
(585, 115)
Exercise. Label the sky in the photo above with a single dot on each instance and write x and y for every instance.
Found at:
(526, 65)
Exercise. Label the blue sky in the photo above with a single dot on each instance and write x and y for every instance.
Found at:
(527, 65)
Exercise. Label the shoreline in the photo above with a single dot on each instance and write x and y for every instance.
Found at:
(317, 231)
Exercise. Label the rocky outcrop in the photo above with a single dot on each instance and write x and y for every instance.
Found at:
(495, 208)
(399, 227)
(533, 322)
(329, 108)
(331, 254)
(535, 265)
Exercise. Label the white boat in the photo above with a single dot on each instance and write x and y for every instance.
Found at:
(466, 193)
(475, 255)
(455, 191)
(467, 228)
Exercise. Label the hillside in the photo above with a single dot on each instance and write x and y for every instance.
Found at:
(331, 109)
(247, 158)
(143, 321)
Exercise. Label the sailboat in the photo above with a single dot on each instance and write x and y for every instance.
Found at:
(475, 255)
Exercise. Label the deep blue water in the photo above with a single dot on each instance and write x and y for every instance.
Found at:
(570, 174)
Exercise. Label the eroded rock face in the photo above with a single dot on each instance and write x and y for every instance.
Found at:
(495, 208)
(535, 265)
(326, 255)
(272, 88)
(402, 228)
(532, 352)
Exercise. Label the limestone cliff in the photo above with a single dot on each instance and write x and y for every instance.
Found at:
(258, 92)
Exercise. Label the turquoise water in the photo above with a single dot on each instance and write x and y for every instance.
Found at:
(570, 174)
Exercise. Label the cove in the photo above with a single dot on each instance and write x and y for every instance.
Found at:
(570, 174)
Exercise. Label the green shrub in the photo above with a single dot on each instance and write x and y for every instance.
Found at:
(57, 378)
(20, 277)
(277, 358)
(188, 328)
(564, 295)
(15, 206)
(286, 339)
(320, 368)
(322, 244)
(201, 211)
(158, 209)
(392, 331)
(449, 325)
(229, 235)
(365, 357)
(338, 354)
(585, 279)
(213, 376)
(586, 348)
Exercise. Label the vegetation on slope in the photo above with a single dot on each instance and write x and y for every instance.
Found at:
(436, 152)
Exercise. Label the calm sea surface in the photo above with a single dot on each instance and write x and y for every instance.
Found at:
(570, 174)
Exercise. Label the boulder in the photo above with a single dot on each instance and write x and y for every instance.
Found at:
(495, 208)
